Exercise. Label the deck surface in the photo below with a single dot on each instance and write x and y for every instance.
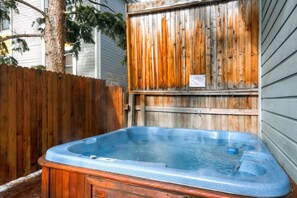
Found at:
(27, 189)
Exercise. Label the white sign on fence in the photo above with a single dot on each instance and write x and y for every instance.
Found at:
(197, 81)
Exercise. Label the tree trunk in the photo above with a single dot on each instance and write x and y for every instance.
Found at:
(54, 36)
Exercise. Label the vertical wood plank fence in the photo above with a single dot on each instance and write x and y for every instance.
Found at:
(40, 109)
(169, 40)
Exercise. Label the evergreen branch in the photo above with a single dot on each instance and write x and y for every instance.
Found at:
(2, 39)
(103, 5)
(31, 6)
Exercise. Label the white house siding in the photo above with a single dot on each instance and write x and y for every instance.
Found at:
(111, 56)
(22, 24)
(279, 81)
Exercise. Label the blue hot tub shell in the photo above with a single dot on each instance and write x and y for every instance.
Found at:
(257, 173)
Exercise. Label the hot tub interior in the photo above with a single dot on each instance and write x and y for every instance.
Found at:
(230, 162)
(190, 151)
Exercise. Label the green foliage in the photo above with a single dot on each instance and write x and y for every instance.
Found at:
(20, 45)
(3, 49)
(8, 60)
(5, 5)
(40, 22)
(4, 57)
(80, 23)
(42, 67)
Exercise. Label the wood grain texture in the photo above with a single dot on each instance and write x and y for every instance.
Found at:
(40, 109)
(20, 121)
(12, 119)
(85, 182)
(97, 183)
(219, 40)
(210, 112)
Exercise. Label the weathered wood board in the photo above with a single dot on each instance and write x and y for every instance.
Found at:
(40, 109)
(168, 41)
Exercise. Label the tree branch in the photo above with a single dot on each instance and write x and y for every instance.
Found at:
(2, 39)
(103, 5)
(31, 6)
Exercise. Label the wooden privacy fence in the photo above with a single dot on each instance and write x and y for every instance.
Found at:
(40, 109)
(169, 40)
(166, 44)
(212, 112)
(219, 40)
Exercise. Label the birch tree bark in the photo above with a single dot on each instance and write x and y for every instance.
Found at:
(54, 35)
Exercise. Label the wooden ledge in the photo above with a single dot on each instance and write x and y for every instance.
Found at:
(208, 111)
(136, 9)
(239, 92)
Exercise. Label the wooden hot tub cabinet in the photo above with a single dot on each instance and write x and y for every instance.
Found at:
(59, 180)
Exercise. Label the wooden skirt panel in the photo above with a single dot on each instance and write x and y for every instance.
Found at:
(68, 181)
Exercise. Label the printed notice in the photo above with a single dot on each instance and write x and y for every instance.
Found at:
(197, 81)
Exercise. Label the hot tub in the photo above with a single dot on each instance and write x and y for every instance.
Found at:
(230, 162)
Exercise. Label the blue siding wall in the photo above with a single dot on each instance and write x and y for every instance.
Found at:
(86, 57)
(86, 60)
(279, 81)
(111, 56)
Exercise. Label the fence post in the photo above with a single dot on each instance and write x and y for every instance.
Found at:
(131, 110)
(142, 120)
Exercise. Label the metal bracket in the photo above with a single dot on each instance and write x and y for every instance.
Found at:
(126, 107)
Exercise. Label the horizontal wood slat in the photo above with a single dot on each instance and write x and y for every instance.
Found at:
(165, 5)
(234, 113)
(210, 111)
(40, 109)
(244, 92)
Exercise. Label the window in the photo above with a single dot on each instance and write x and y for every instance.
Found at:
(45, 6)
(4, 23)
(68, 64)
